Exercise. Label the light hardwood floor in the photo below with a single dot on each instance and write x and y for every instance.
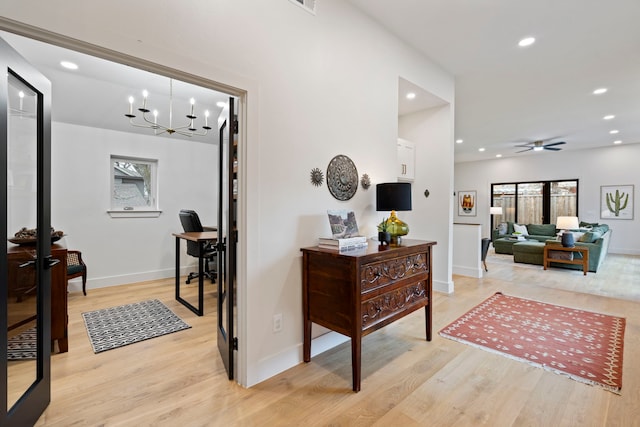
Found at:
(178, 379)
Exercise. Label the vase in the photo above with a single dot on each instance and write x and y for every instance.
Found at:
(567, 239)
(384, 237)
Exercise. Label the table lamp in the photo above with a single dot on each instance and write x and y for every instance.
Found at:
(495, 210)
(394, 196)
(566, 223)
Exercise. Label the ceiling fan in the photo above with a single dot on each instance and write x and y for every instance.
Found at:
(540, 145)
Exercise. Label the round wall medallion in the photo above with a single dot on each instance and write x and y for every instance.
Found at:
(342, 177)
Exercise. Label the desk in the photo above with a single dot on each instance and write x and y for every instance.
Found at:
(581, 249)
(22, 281)
(358, 292)
(201, 238)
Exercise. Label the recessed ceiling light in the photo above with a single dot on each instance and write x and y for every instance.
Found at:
(411, 95)
(69, 65)
(527, 41)
(480, 149)
(459, 141)
(600, 91)
(609, 117)
(613, 132)
(221, 104)
(498, 155)
(617, 142)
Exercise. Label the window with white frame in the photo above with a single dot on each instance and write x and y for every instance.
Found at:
(134, 184)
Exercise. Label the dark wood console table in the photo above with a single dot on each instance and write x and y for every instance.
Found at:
(358, 292)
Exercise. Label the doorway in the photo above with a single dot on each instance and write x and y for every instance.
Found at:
(162, 73)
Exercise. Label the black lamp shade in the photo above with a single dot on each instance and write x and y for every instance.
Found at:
(393, 196)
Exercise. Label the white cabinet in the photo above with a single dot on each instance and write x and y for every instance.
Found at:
(406, 160)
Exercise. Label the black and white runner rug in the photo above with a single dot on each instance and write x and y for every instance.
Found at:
(23, 346)
(115, 327)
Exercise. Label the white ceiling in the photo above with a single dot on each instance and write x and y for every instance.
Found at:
(507, 95)
(96, 94)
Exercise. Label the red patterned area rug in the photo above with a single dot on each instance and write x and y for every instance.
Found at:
(583, 345)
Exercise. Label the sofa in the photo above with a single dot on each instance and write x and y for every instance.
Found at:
(594, 236)
(503, 242)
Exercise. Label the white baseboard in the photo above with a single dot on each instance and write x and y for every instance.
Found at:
(105, 282)
(467, 271)
(624, 251)
(292, 356)
(444, 287)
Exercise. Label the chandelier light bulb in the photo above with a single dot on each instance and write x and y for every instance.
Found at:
(130, 114)
(145, 94)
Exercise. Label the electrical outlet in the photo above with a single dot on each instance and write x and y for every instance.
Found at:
(277, 322)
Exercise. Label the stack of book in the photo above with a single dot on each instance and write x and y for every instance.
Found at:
(344, 244)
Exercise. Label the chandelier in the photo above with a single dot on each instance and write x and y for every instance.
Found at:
(188, 129)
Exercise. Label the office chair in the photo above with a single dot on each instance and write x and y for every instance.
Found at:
(191, 222)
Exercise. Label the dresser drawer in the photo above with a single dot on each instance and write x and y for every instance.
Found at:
(385, 272)
(397, 302)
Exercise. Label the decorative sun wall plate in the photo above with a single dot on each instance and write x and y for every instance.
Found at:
(342, 177)
(365, 182)
(317, 177)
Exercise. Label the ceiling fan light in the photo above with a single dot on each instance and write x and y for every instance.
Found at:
(538, 148)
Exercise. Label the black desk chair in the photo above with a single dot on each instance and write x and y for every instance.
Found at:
(191, 222)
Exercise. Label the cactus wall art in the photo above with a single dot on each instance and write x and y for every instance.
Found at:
(616, 201)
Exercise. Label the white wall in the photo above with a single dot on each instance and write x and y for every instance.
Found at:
(432, 133)
(467, 258)
(126, 250)
(317, 86)
(615, 165)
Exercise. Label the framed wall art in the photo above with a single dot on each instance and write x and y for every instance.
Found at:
(467, 203)
(616, 201)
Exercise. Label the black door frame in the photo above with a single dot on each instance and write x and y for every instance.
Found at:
(28, 408)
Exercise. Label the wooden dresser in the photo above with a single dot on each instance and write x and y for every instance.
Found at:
(22, 280)
(358, 292)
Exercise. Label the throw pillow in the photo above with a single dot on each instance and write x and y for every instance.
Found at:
(590, 237)
(584, 224)
(502, 228)
(522, 229)
(541, 229)
(577, 235)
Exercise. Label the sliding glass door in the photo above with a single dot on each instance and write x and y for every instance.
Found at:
(538, 202)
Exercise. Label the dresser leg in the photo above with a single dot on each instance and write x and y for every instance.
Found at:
(306, 341)
(356, 361)
(428, 321)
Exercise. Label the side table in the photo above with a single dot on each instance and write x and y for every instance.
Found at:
(582, 250)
